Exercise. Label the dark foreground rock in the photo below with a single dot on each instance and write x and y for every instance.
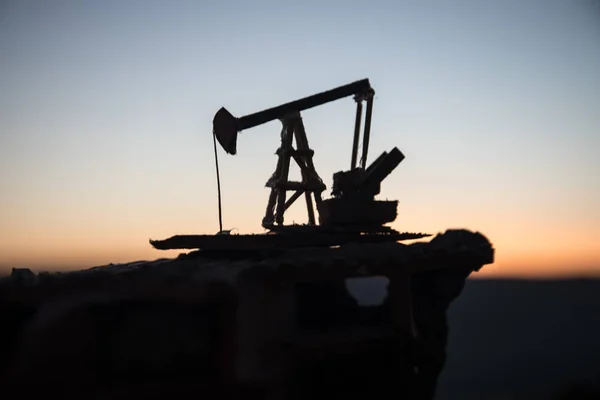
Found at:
(171, 327)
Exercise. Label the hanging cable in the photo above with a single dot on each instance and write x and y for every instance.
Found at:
(218, 183)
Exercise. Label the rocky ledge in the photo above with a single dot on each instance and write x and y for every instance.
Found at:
(165, 326)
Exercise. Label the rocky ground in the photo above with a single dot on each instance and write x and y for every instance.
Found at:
(130, 327)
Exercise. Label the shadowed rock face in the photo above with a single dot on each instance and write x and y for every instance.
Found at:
(179, 340)
(432, 293)
(117, 345)
(14, 316)
(75, 347)
(142, 329)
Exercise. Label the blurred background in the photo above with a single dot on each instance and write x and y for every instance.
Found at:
(106, 117)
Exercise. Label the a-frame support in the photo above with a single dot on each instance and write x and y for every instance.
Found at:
(311, 184)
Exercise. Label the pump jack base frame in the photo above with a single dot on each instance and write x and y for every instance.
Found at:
(292, 236)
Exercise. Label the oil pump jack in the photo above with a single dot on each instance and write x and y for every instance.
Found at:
(351, 214)
(352, 206)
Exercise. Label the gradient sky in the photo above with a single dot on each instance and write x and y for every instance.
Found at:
(106, 114)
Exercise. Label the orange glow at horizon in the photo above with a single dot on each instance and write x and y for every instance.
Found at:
(106, 118)
(536, 254)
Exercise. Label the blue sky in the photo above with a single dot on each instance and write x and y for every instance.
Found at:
(106, 111)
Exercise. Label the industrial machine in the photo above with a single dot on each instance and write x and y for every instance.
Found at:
(351, 214)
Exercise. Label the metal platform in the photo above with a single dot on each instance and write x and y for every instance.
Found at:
(279, 240)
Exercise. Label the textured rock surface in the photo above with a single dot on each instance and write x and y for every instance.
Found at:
(170, 321)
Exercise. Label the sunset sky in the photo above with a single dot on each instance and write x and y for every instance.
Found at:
(106, 114)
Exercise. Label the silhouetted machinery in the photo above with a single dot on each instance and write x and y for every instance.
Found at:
(352, 213)
(353, 205)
